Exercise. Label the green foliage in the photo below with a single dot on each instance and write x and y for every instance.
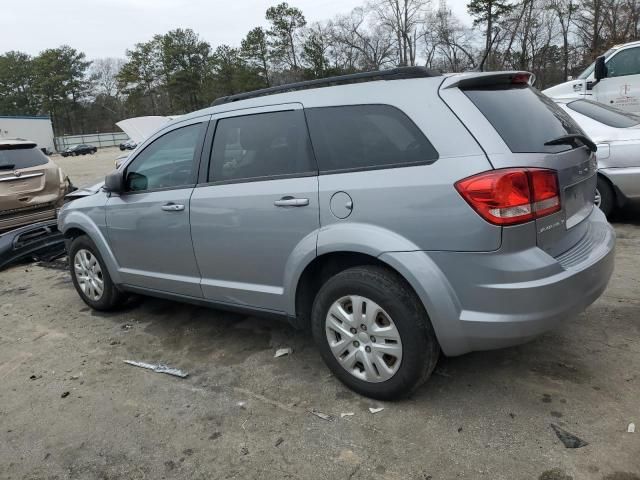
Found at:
(484, 11)
(17, 81)
(255, 52)
(286, 23)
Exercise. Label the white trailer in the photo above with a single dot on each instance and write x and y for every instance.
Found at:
(35, 128)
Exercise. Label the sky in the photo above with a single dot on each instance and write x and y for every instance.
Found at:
(106, 28)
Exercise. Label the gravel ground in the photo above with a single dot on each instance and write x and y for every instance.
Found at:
(70, 408)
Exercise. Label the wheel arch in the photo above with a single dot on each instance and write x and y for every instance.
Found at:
(75, 223)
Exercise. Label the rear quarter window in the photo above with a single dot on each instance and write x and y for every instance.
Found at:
(524, 118)
(13, 157)
(357, 137)
(604, 114)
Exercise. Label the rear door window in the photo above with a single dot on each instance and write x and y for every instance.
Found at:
(604, 114)
(357, 137)
(14, 157)
(524, 118)
(261, 146)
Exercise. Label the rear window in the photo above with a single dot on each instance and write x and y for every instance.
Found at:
(355, 137)
(524, 118)
(604, 114)
(14, 157)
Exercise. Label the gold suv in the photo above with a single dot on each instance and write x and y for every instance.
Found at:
(32, 187)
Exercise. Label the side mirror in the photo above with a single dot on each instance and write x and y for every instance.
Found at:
(114, 182)
(600, 70)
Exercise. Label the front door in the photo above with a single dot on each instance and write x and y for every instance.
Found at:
(621, 88)
(258, 208)
(148, 224)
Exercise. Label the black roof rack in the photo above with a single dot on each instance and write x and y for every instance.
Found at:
(391, 74)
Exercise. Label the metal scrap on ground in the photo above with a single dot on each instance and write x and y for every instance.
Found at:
(376, 410)
(281, 352)
(321, 415)
(159, 368)
(567, 438)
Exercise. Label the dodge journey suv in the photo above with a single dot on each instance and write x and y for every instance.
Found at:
(393, 214)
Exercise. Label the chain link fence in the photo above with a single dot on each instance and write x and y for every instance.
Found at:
(97, 139)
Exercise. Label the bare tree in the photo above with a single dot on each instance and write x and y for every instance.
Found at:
(103, 74)
(404, 19)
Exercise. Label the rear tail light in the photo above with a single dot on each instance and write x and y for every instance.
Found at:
(512, 195)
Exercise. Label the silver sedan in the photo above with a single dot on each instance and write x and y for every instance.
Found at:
(617, 135)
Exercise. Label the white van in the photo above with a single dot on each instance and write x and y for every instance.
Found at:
(616, 83)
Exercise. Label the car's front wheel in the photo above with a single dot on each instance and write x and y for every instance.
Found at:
(91, 277)
(374, 333)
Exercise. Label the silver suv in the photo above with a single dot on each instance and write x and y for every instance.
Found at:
(393, 214)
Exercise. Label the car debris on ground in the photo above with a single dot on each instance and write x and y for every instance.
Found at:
(158, 368)
(346, 414)
(39, 241)
(631, 428)
(281, 352)
(321, 415)
(376, 410)
(567, 438)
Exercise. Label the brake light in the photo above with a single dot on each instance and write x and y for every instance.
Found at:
(512, 195)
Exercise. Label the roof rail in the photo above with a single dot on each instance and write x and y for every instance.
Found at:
(391, 74)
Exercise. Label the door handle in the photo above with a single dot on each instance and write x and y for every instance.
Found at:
(173, 207)
(291, 202)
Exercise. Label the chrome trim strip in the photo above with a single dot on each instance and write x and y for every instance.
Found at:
(21, 177)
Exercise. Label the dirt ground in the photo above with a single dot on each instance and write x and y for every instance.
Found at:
(70, 408)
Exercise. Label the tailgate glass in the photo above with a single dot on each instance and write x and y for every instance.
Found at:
(512, 109)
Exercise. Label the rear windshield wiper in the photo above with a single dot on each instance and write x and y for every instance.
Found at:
(7, 166)
(571, 138)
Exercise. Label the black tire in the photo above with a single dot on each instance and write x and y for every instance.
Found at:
(420, 348)
(607, 196)
(112, 298)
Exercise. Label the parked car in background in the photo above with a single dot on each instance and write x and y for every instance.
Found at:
(128, 145)
(617, 135)
(79, 150)
(32, 186)
(389, 229)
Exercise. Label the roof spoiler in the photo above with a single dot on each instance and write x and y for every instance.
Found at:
(484, 79)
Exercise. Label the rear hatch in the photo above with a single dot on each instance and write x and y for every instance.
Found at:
(536, 133)
(24, 172)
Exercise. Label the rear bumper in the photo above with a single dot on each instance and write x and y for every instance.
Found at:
(500, 299)
(626, 180)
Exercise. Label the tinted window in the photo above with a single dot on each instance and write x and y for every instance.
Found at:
(261, 145)
(167, 162)
(366, 136)
(626, 62)
(605, 114)
(13, 157)
(524, 118)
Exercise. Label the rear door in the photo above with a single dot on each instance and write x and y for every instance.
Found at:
(257, 205)
(148, 224)
(513, 122)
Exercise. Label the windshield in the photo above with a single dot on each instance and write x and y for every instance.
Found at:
(604, 114)
(589, 70)
(512, 110)
(16, 157)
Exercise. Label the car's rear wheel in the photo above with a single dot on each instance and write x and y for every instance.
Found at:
(91, 277)
(374, 333)
(605, 197)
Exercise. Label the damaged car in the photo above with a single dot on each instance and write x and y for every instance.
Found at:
(32, 186)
